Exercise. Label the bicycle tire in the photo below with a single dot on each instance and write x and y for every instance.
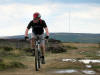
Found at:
(36, 60)
(39, 59)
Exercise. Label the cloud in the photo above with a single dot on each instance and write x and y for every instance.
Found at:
(84, 18)
(15, 17)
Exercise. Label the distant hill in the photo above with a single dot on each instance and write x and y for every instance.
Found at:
(68, 37)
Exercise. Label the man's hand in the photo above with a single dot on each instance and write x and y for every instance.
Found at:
(47, 37)
(26, 37)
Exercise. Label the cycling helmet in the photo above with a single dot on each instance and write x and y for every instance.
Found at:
(36, 15)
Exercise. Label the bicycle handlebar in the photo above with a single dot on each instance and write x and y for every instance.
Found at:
(27, 38)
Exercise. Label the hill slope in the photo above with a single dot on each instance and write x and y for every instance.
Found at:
(68, 37)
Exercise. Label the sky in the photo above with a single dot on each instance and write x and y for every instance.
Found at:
(68, 16)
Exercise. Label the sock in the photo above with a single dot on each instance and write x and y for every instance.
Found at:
(42, 56)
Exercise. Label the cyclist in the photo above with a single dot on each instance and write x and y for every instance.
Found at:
(38, 26)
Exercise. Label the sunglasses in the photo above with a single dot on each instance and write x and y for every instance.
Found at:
(36, 18)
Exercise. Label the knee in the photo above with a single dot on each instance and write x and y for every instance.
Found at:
(42, 46)
(32, 40)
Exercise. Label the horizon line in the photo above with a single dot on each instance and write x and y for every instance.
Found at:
(52, 32)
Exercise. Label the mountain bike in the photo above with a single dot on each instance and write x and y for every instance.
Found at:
(38, 53)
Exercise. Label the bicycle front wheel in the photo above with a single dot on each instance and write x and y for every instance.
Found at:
(36, 60)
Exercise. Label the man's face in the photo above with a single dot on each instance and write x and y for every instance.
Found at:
(36, 20)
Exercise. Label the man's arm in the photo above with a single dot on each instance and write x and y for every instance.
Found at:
(28, 27)
(47, 32)
(26, 32)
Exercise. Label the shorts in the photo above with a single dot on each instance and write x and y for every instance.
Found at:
(42, 41)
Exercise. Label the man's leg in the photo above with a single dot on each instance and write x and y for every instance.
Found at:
(32, 46)
(32, 43)
(43, 51)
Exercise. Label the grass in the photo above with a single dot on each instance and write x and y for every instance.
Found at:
(11, 65)
(69, 46)
(90, 53)
(87, 50)
(10, 58)
(6, 48)
(95, 65)
(82, 45)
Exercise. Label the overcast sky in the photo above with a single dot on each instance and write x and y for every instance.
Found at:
(84, 15)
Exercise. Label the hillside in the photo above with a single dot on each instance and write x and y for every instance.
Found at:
(68, 37)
